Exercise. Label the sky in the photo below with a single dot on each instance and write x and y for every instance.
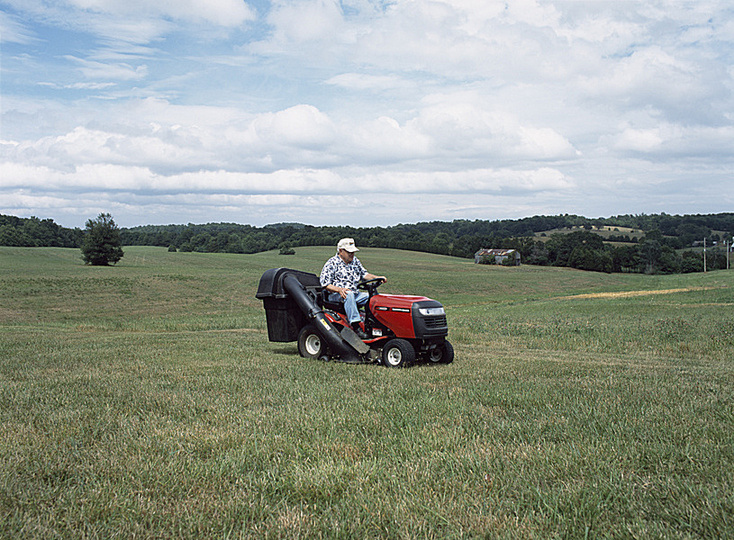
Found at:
(364, 112)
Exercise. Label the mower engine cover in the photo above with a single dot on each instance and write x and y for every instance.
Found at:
(410, 317)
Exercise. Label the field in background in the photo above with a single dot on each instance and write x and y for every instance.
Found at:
(144, 400)
(605, 231)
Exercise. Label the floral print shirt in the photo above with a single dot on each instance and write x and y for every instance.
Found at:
(337, 272)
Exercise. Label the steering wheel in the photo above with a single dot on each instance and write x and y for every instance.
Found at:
(370, 285)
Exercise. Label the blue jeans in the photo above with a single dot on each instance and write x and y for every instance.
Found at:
(351, 303)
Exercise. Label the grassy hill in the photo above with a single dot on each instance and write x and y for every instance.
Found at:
(605, 231)
(145, 400)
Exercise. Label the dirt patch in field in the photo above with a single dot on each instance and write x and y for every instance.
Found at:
(629, 294)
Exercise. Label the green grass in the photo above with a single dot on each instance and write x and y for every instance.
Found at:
(144, 400)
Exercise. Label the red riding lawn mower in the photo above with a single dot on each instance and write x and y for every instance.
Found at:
(400, 328)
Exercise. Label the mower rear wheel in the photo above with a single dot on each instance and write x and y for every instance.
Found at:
(310, 344)
(443, 354)
(398, 353)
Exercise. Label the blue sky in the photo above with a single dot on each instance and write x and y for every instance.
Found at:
(364, 112)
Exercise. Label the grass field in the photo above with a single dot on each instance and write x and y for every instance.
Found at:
(145, 401)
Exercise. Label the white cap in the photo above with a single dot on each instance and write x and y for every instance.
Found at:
(347, 244)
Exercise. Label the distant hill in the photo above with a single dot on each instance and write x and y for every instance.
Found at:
(625, 243)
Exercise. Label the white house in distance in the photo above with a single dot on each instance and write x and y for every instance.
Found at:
(500, 256)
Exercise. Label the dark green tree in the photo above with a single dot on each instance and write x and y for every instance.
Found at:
(101, 245)
(285, 249)
(651, 249)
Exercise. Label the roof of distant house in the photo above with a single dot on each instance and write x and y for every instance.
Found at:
(494, 252)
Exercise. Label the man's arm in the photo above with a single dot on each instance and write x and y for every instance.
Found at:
(368, 276)
(343, 290)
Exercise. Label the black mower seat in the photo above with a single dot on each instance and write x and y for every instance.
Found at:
(333, 306)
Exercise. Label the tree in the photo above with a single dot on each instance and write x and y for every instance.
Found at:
(650, 249)
(101, 245)
(285, 249)
(561, 246)
(691, 262)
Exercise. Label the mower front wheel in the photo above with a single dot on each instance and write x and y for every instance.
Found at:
(398, 353)
(310, 344)
(443, 354)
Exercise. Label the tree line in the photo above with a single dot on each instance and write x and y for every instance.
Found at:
(35, 232)
(661, 243)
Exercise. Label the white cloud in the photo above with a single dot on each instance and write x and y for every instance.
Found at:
(449, 132)
(133, 193)
(222, 12)
(106, 176)
(79, 85)
(479, 181)
(302, 126)
(461, 124)
(672, 141)
(384, 140)
(13, 31)
(83, 146)
(302, 21)
(117, 71)
(639, 140)
(119, 23)
(360, 81)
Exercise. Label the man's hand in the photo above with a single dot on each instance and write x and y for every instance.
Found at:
(343, 291)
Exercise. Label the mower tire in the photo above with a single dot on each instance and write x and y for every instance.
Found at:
(443, 354)
(310, 343)
(398, 353)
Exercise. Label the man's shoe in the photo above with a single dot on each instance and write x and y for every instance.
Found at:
(360, 333)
